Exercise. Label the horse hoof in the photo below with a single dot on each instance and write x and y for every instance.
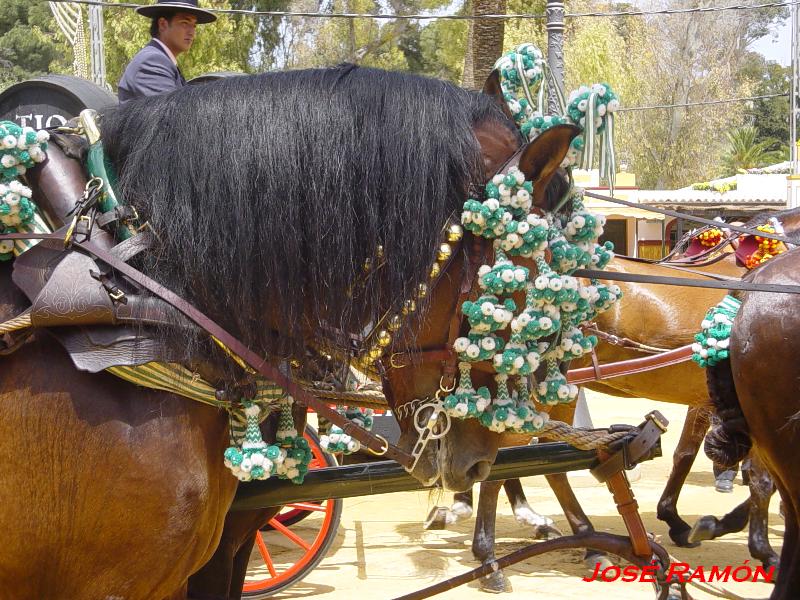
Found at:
(724, 483)
(546, 532)
(437, 519)
(496, 583)
(597, 561)
(703, 530)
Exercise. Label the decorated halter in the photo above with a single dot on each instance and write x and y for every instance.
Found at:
(546, 330)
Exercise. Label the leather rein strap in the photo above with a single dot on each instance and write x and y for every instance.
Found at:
(375, 443)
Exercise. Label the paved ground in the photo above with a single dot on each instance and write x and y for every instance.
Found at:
(381, 550)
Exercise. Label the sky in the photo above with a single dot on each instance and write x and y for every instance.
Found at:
(777, 49)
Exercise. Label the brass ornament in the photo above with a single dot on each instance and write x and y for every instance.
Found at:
(454, 233)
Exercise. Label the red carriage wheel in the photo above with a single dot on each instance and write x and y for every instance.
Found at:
(295, 540)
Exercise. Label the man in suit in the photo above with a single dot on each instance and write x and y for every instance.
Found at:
(154, 69)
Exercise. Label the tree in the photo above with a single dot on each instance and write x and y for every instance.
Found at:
(28, 42)
(484, 43)
(744, 151)
(770, 116)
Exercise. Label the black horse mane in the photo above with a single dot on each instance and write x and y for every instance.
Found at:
(269, 193)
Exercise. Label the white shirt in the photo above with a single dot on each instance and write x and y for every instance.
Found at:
(167, 50)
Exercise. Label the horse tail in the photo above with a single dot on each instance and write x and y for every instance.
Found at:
(729, 441)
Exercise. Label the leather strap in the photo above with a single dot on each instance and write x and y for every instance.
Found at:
(682, 281)
(629, 367)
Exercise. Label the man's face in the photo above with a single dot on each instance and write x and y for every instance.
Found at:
(177, 33)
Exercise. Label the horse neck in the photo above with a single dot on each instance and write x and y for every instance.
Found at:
(664, 316)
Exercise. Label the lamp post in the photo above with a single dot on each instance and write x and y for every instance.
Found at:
(555, 50)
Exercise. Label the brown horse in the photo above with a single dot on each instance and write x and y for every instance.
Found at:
(96, 469)
(755, 395)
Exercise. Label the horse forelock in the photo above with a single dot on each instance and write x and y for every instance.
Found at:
(269, 192)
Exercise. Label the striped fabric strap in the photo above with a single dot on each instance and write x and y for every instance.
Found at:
(730, 303)
(589, 133)
(37, 225)
(177, 379)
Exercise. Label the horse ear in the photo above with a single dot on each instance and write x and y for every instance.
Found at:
(492, 89)
(544, 155)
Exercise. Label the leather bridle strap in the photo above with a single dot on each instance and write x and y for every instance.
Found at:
(782, 288)
(377, 444)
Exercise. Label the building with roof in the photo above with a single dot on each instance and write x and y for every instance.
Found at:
(637, 232)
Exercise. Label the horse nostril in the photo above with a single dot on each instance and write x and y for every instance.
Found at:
(479, 471)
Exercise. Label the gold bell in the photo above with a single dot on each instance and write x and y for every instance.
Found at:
(445, 252)
(435, 270)
(454, 233)
(375, 352)
(367, 265)
(395, 322)
(409, 306)
(422, 290)
(384, 338)
(379, 252)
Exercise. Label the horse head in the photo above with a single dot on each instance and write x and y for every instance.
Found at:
(466, 452)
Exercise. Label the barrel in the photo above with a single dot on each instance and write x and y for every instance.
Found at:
(51, 100)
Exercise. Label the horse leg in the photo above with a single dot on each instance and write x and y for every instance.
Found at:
(543, 526)
(761, 489)
(697, 422)
(441, 516)
(222, 577)
(577, 519)
(483, 541)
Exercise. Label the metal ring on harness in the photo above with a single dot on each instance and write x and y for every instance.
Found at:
(385, 448)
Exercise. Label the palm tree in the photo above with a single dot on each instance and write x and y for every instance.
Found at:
(484, 42)
(745, 152)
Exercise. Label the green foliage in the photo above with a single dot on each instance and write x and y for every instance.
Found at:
(744, 151)
(715, 187)
(770, 116)
(29, 45)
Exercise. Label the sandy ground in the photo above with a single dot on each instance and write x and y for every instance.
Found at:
(382, 551)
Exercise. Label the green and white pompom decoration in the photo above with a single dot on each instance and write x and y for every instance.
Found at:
(16, 209)
(477, 347)
(574, 344)
(555, 389)
(512, 191)
(488, 314)
(255, 459)
(712, 343)
(504, 277)
(20, 149)
(517, 358)
(337, 441)
(521, 74)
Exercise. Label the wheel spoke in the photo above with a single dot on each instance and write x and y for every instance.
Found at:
(307, 506)
(262, 548)
(278, 526)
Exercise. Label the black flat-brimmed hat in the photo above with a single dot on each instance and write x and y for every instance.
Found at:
(163, 7)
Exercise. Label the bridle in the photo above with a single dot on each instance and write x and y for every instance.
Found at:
(478, 251)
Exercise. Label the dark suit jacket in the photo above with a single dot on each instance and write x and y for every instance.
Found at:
(149, 73)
